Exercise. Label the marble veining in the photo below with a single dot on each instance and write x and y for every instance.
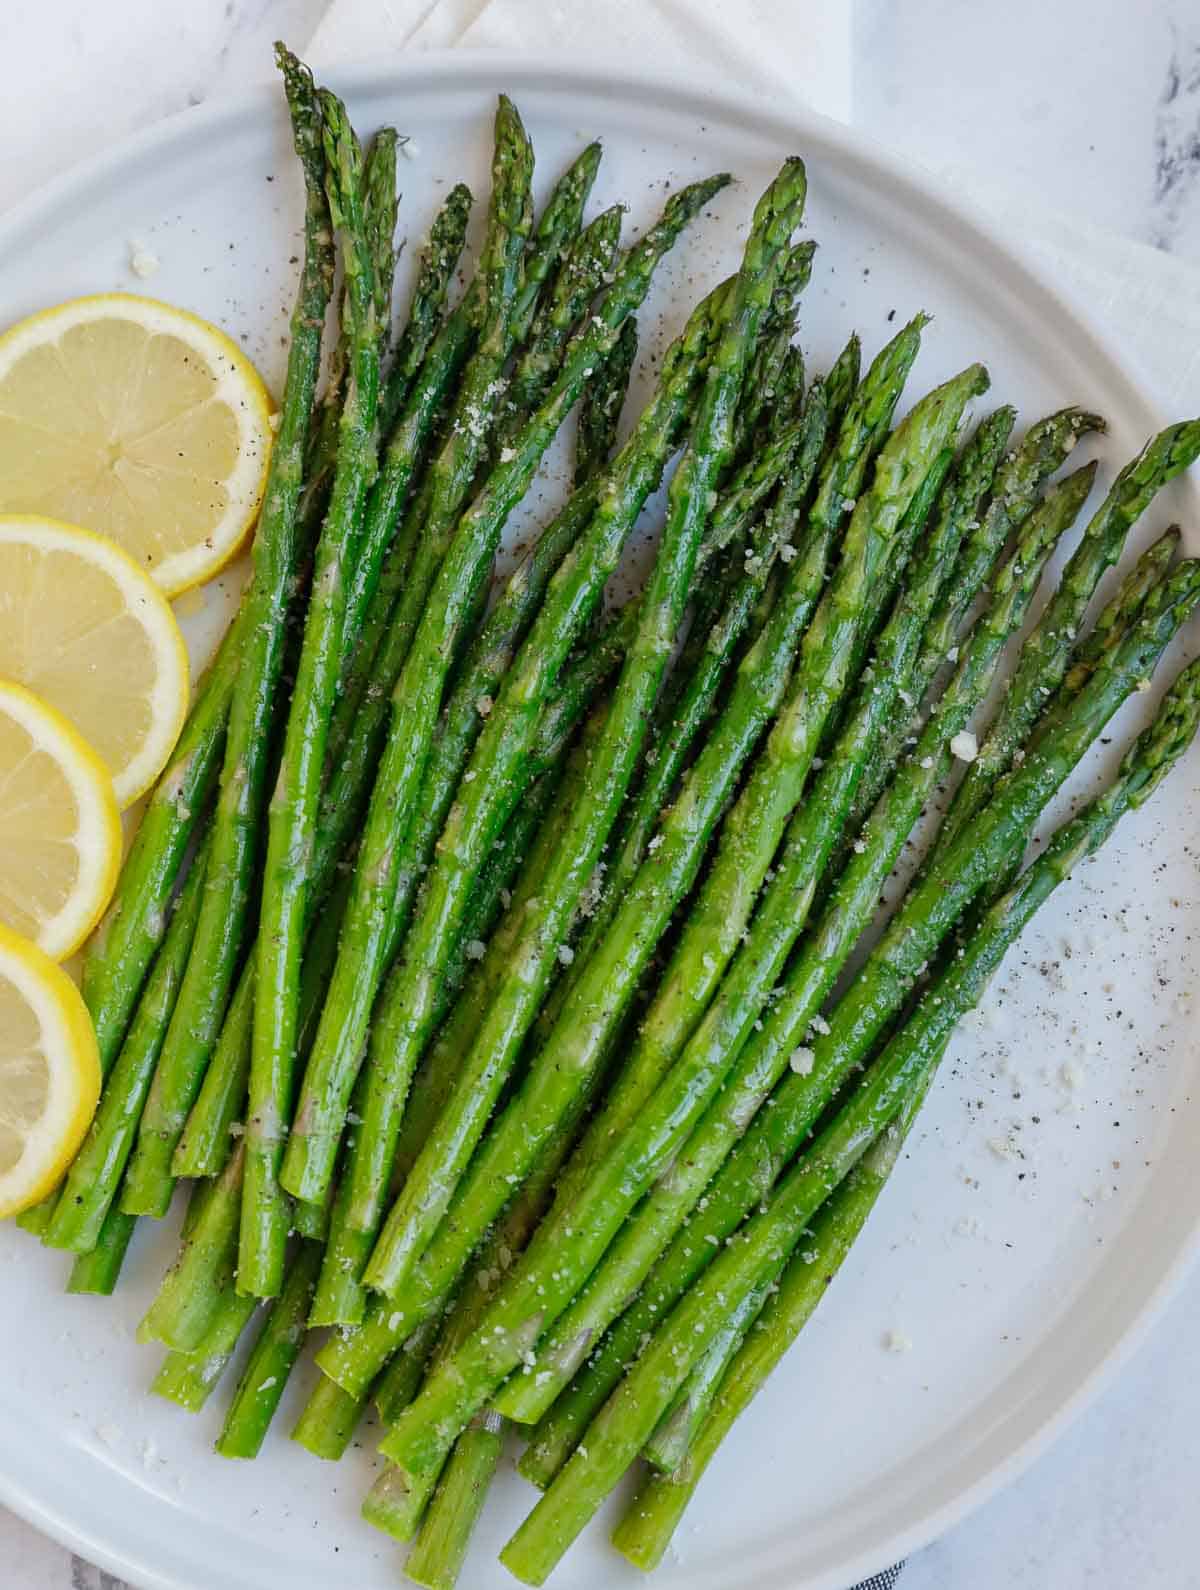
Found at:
(1177, 137)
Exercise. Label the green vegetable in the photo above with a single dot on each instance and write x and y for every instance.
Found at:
(630, 1415)
(416, 703)
(200, 1006)
(428, 1189)
(601, 404)
(271, 1361)
(292, 817)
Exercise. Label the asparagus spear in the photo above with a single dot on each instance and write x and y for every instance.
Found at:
(292, 817)
(630, 1414)
(909, 456)
(417, 700)
(189, 1296)
(95, 1175)
(702, 681)
(200, 1006)
(330, 1417)
(437, 1558)
(220, 1105)
(601, 405)
(340, 1295)
(406, 576)
(97, 1270)
(591, 1016)
(339, 1300)
(588, 260)
(439, 259)
(556, 231)
(958, 870)
(1018, 479)
(379, 201)
(428, 1188)
(722, 1033)
(190, 1378)
(118, 957)
(271, 1361)
(1048, 650)
(920, 925)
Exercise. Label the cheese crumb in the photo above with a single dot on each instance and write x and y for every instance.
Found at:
(964, 746)
(475, 949)
(142, 262)
(787, 552)
(801, 1061)
(565, 954)
(859, 847)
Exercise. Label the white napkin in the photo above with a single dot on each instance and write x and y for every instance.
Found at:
(800, 50)
(787, 49)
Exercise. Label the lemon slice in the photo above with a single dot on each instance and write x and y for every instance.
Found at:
(138, 421)
(60, 832)
(83, 628)
(49, 1073)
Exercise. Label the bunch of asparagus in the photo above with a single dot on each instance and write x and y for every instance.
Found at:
(475, 957)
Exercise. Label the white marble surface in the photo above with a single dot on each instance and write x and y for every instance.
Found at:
(1088, 107)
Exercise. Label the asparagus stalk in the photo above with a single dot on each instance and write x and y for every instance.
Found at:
(189, 1296)
(601, 405)
(904, 463)
(340, 1295)
(330, 1417)
(631, 1413)
(1018, 479)
(406, 577)
(1048, 650)
(432, 1181)
(119, 956)
(190, 1378)
(441, 1549)
(919, 926)
(203, 996)
(379, 228)
(271, 1361)
(97, 1270)
(588, 260)
(95, 1176)
(220, 1106)
(584, 1031)
(653, 1515)
(417, 699)
(439, 259)
(556, 231)
(702, 681)
(957, 872)
(718, 1040)
(266, 1215)
(397, 1385)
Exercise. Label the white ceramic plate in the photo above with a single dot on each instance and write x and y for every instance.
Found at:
(1037, 1222)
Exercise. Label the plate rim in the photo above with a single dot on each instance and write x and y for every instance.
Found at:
(974, 229)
